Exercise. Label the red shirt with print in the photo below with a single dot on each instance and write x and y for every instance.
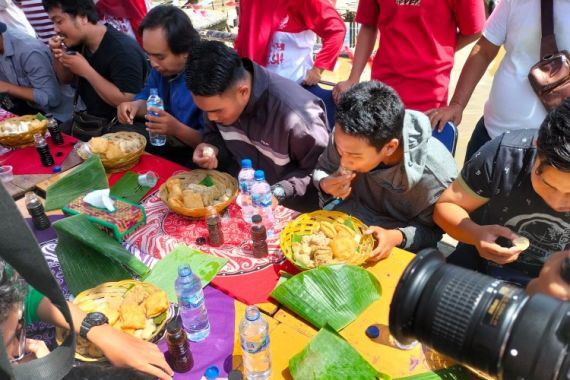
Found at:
(417, 44)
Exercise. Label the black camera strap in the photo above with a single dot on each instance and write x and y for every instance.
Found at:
(19, 249)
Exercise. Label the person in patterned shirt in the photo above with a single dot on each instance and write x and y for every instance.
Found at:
(517, 184)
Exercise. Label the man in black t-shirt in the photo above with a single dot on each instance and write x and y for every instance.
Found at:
(111, 67)
(517, 184)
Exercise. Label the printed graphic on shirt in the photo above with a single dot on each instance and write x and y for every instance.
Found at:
(408, 2)
(547, 234)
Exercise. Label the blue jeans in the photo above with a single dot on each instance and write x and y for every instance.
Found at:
(477, 140)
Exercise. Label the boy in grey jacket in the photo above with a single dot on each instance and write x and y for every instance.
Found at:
(385, 165)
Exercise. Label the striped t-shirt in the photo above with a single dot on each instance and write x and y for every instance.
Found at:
(37, 16)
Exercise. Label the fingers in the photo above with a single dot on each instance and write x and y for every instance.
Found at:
(37, 347)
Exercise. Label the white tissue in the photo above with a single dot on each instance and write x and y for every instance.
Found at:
(100, 199)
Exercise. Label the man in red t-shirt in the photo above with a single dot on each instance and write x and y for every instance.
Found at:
(417, 45)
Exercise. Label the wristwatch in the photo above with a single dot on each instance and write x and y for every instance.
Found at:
(278, 192)
(92, 320)
(404, 239)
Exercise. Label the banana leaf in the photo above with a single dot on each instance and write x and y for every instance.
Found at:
(331, 295)
(456, 372)
(89, 257)
(128, 188)
(88, 176)
(164, 272)
(329, 356)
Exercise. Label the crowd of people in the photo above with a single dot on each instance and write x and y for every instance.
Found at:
(378, 162)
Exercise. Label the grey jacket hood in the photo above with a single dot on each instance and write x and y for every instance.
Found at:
(415, 135)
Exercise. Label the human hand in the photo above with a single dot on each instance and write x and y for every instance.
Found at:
(37, 347)
(127, 111)
(439, 116)
(485, 242)
(341, 88)
(313, 76)
(163, 124)
(339, 186)
(549, 281)
(124, 350)
(54, 44)
(76, 63)
(385, 241)
(4, 87)
(203, 156)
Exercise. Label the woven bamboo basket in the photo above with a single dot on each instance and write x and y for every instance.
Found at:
(308, 224)
(95, 299)
(122, 162)
(22, 139)
(226, 183)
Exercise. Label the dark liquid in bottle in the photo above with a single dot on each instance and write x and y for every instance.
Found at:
(215, 233)
(180, 358)
(39, 217)
(45, 155)
(55, 133)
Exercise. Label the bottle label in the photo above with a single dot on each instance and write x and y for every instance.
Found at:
(262, 200)
(254, 347)
(193, 301)
(243, 186)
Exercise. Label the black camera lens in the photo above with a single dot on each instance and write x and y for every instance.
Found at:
(480, 321)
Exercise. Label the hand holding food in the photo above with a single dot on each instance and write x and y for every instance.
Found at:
(203, 156)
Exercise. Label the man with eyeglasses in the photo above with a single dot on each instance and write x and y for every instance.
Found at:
(516, 185)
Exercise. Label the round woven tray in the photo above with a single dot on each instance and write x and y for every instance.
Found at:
(23, 139)
(124, 162)
(195, 176)
(308, 224)
(102, 294)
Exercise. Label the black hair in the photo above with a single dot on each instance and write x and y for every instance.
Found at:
(553, 142)
(10, 293)
(371, 110)
(212, 68)
(74, 8)
(180, 33)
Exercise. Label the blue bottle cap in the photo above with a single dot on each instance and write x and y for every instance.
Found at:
(373, 332)
(56, 169)
(211, 372)
(259, 175)
(246, 163)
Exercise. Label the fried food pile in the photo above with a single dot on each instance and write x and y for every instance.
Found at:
(18, 126)
(191, 192)
(137, 312)
(111, 149)
(332, 243)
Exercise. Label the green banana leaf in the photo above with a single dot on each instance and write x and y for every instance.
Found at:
(331, 295)
(329, 356)
(128, 188)
(89, 257)
(456, 372)
(164, 272)
(88, 176)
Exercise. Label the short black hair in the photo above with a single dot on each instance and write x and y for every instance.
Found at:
(212, 68)
(371, 110)
(74, 8)
(180, 34)
(553, 142)
(10, 293)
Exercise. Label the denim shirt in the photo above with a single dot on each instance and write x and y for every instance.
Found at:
(26, 62)
(180, 103)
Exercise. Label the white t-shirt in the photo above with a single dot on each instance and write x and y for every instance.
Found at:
(516, 24)
(291, 54)
(14, 18)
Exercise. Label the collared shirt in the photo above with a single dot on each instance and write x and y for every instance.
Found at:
(177, 100)
(26, 62)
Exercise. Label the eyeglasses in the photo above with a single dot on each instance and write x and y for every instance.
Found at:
(20, 335)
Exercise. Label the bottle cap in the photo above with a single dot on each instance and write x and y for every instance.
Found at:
(173, 326)
(246, 163)
(256, 218)
(372, 332)
(259, 175)
(252, 313)
(184, 270)
(212, 372)
(56, 169)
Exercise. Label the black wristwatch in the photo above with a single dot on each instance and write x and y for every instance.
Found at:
(92, 320)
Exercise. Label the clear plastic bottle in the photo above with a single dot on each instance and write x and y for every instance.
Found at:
(43, 150)
(36, 211)
(262, 199)
(53, 128)
(245, 179)
(259, 237)
(155, 101)
(254, 339)
(191, 303)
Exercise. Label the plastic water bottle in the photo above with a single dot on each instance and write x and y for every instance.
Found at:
(53, 128)
(254, 339)
(191, 303)
(43, 150)
(155, 101)
(262, 199)
(245, 179)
